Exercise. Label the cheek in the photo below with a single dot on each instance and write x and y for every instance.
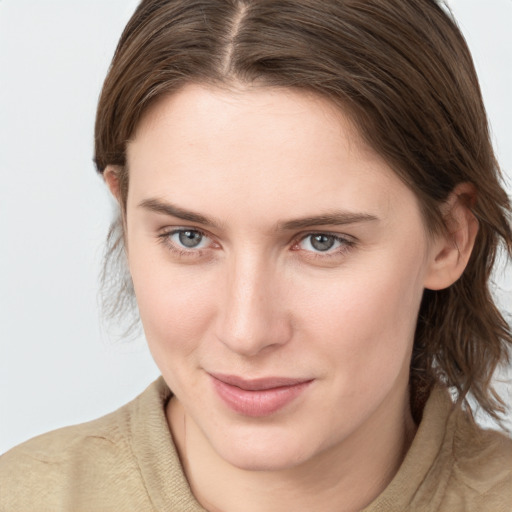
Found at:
(364, 322)
(175, 305)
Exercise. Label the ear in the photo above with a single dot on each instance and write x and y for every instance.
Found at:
(451, 249)
(111, 177)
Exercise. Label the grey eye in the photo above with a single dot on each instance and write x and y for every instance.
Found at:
(190, 239)
(322, 242)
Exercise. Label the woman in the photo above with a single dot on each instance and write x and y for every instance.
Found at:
(310, 209)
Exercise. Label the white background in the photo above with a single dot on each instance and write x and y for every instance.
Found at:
(57, 364)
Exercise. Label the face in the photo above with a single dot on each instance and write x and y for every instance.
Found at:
(278, 265)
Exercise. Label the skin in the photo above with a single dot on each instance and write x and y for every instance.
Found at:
(256, 298)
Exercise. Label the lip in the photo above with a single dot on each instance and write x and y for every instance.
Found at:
(258, 397)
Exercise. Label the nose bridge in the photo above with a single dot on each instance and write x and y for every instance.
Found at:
(252, 316)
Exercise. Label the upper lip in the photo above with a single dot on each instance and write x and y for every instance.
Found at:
(259, 384)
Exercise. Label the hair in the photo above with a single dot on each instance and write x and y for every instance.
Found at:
(402, 71)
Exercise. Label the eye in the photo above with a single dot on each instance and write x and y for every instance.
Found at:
(185, 241)
(188, 238)
(323, 243)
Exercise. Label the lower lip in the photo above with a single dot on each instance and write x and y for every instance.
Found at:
(258, 403)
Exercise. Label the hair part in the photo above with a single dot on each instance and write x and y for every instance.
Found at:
(401, 70)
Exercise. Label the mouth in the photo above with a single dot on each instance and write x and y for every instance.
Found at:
(258, 397)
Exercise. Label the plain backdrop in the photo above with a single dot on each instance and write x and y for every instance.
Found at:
(58, 365)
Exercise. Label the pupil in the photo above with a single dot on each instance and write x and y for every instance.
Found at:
(190, 239)
(322, 242)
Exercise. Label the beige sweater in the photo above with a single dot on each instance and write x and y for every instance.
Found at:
(126, 461)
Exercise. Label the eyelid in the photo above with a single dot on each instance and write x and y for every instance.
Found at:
(339, 236)
(171, 230)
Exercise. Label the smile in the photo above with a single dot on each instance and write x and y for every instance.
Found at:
(259, 397)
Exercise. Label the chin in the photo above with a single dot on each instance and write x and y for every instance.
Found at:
(249, 460)
(269, 451)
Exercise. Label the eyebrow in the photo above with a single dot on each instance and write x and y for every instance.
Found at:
(158, 206)
(334, 218)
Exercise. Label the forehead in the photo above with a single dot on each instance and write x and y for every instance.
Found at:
(260, 146)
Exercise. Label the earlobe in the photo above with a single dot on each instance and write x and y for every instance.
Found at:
(451, 250)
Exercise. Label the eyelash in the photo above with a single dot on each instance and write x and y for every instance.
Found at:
(165, 239)
(346, 243)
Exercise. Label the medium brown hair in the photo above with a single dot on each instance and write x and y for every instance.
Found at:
(402, 71)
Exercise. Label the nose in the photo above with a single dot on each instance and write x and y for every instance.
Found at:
(252, 311)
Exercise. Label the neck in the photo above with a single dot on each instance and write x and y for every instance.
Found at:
(345, 478)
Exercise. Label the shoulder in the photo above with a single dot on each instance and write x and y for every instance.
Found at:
(104, 436)
(92, 459)
(481, 470)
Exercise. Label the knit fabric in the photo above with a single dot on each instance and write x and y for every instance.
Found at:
(127, 461)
